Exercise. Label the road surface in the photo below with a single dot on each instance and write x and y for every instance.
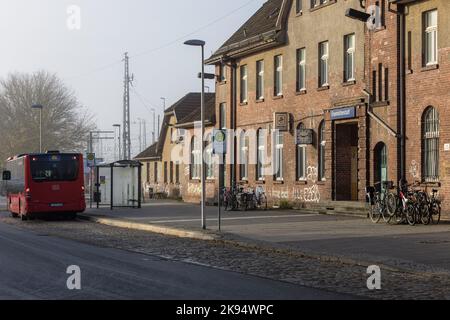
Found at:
(33, 266)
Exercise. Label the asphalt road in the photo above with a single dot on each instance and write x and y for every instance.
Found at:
(33, 266)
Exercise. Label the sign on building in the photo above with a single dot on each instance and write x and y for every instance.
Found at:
(282, 121)
(305, 136)
(219, 141)
(343, 113)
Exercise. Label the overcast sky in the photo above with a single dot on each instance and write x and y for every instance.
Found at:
(35, 36)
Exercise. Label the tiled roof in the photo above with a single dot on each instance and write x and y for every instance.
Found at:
(195, 114)
(149, 153)
(260, 28)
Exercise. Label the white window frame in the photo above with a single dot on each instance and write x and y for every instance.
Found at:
(244, 156)
(244, 84)
(431, 30)
(278, 79)
(350, 48)
(260, 80)
(301, 73)
(261, 145)
(196, 157)
(279, 156)
(324, 63)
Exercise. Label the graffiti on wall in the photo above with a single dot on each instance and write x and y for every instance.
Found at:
(194, 189)
(414, 169)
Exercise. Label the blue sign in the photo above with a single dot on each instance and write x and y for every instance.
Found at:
(343, 113)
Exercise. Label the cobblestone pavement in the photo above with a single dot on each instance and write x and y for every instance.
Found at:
(275, 263)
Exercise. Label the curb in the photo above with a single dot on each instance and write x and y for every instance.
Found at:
(112, 222)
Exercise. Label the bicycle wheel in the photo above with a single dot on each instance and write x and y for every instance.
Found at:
(435, 213)
(392, 204)
(424, 213)
(375, 211)
(411, 213)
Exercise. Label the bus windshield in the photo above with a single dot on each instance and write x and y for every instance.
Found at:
(54, 167)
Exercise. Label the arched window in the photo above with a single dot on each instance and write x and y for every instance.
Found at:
(196, 159)
(430, 145)
(261, 145)
(209, 157)
(244, 155)
(301, 158)
(322, 143)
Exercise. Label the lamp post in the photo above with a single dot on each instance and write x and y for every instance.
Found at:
(201, 43)
(40, 107)
(120, 149)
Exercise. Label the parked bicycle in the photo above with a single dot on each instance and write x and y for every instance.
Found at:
(237, 198)
(377, 198)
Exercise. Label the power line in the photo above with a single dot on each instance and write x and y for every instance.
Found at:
(168, 44)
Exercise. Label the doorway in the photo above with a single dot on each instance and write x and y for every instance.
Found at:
(346, 162)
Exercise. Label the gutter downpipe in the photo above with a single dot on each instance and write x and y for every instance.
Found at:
(402, 92)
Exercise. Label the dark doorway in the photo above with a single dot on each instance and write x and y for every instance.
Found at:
(346, 162)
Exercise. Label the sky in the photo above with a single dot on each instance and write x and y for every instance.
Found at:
(86, 53)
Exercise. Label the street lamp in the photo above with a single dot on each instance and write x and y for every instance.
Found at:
(201, 43)
(120, 149)
(40, 107)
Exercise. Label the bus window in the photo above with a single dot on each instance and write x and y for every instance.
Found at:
(54, 168)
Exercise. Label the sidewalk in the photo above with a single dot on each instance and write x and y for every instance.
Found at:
(422, 248)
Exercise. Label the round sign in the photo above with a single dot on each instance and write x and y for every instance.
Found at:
(91, 157)
(220, 136)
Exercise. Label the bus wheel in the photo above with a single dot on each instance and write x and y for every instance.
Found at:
(14, 215)
(23, 217)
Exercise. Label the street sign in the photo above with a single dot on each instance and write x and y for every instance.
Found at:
(220, 141)
(343, 113)
(90, 160)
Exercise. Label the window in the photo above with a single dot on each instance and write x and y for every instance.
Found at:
(171, 172)
(278, 81)
(244, 155)
(301, 69)
(244, 84)
(196, 159)
(323, 64)
(260, 80)
(165, 171)
(430, 145)
(316, 3)
(209, 158)
(260, 154)
(301, 158)
(155, 172)
(223, 72)
(177, 173)
(386, 84)
(223, 115)
(322, 144)
(298, 6)
(430, 37)
(349, 58)
(148, 172)
(279, 146)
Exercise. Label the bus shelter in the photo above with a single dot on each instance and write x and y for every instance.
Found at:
(118, 185)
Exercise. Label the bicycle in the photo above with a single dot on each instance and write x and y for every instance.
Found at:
(406, 205)
(435, 207)
(378, 201)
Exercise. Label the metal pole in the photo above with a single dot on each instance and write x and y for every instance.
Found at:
(154, 125)
(202, 142)
(120, 142)
(40, 130)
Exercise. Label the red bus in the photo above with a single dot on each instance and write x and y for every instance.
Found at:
(45, 183)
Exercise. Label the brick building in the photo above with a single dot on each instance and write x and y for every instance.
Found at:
(168, 166)
(350, 113)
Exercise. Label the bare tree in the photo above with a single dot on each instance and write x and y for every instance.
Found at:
(65, 122)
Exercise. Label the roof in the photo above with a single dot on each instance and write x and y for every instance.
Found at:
(149, 153)
(189, 104)
(187, 110)
(265, 28)
(195, 114)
